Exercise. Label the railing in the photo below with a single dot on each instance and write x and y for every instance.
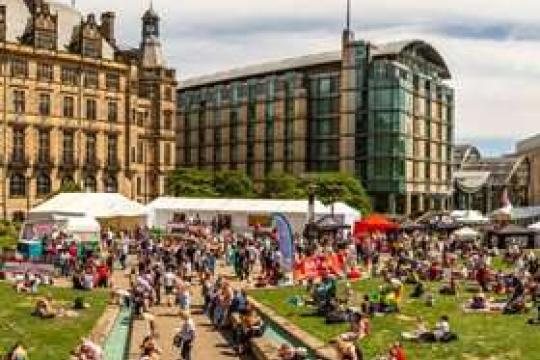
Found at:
(44, 162)
(68, 163)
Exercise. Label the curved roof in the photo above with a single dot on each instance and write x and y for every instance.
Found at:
(418, 47)
(501, 169)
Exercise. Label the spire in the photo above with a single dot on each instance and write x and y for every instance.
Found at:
(348, 27)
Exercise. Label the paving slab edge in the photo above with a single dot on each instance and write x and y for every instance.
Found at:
(321, 349)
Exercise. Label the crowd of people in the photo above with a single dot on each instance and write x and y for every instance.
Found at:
(170, 270)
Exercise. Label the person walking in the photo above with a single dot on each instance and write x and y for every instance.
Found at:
(185, 337)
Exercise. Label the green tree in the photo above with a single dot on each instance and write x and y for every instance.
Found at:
(279, 185)
(338, 187)
(185, 182)
(232, 183)
(69, 187)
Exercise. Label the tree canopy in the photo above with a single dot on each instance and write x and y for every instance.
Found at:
(329, 187)
(333, 187)
(279, 185)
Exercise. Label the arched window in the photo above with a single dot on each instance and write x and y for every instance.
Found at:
(67, 180)
(111, 185)
(17, 185)
(90, 184)
(43, 184)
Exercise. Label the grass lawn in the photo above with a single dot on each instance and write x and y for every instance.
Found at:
(51, 338)
(481, 336)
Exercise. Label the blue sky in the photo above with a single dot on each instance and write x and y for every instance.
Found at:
(491, 46)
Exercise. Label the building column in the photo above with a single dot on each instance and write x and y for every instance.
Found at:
(408, 204)
(392, 203)
(420, 204)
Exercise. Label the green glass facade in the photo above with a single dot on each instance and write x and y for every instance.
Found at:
(393, 102)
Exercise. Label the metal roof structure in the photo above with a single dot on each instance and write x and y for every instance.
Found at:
(393, 49)
(500, 169)
(264, 68)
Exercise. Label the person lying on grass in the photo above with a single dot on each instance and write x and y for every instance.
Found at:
(441, 332)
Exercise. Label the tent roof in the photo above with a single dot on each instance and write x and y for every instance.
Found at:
(246, 205)
(97, 205)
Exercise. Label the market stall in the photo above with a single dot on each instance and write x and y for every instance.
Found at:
(240, 214)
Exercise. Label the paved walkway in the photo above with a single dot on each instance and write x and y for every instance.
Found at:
(209, 344)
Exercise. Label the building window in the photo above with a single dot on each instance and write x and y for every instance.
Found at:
(167, 155)
(91, 79)
(43, 184)
(91, 109)
(112, 111)
(139, 186)
(19, 68)
(68, 154)
(90, 148)
(167, 121)
(44, 146)
(140, 149)
(19, 101)
(44, 104)
(18, 145)
(17, 185)
(112, 147)
(45, 72)
(90, 183)
(2, 23)
(112, 82)
(168, 94)
(69, 107)
(70, 76)
(45, 40)
(111, 184)
(91, 48)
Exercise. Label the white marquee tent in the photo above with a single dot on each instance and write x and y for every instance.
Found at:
(101, 206)
(161, 211)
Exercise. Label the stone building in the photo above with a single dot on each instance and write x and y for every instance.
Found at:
(530, 148)
(383, 113)
(76, 107)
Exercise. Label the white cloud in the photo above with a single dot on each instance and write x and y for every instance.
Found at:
(491, 46)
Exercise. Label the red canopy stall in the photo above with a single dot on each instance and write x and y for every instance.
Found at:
(374, 223)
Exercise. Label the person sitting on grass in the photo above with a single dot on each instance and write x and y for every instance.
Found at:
(397, 352)
(44, 308)
(451, 288)
(418, 333)
(18, 352)
(345, 343)
(479, 301)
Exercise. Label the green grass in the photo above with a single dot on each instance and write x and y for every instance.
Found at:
(46, 339)
(481, 336)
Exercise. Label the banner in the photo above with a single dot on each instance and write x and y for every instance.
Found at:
(314, 267)
(284, 236)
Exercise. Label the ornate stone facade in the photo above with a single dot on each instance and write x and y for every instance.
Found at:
(76, 107)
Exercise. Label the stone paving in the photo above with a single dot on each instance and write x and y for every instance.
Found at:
(209, 343)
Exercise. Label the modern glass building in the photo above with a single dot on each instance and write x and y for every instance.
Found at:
(384, 113)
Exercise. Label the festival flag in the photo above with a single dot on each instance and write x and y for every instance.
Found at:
(285, 240)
